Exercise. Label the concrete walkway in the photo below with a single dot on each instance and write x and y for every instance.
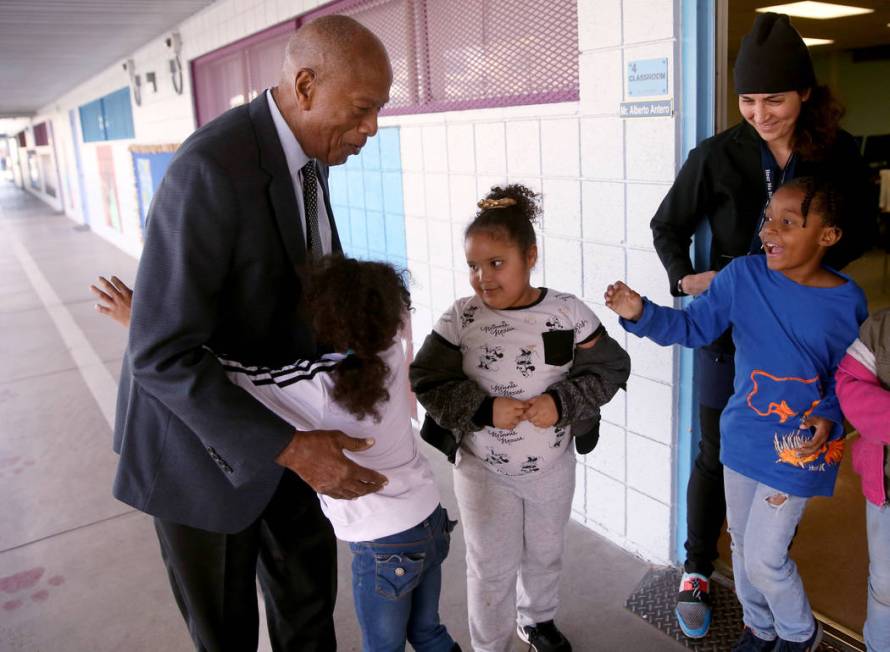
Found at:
(80, 571)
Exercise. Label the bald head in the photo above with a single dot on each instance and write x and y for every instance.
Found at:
(332, 45)
(334, 82)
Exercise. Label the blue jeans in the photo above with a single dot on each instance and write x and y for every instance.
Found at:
(766, 579)
(877, 625)
(395, 584)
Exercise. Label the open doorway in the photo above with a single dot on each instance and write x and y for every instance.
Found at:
(854, 60)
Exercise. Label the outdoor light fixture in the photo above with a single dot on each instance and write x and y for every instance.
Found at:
(817, 10)
(812, 42)
(135, 81)
(174, 42)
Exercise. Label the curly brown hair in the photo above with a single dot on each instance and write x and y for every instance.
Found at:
(357, 306)
(818, 123)
(516, 221)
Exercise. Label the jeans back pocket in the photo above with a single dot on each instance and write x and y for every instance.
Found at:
(398, 575)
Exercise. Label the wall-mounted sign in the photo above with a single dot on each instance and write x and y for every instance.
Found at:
(647, 78)
(656, 109)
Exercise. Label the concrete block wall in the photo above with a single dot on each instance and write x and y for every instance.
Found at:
(601, 177)
(627, 166)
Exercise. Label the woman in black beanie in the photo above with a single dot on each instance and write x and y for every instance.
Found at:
(790, 128)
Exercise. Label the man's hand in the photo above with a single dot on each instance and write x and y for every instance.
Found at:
(695, 284)
(822, 427)
(508, 412)
(115, 299)
(624, 301)
(542, 411)
(317, 457)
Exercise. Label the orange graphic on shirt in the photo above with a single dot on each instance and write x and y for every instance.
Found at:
(781, 409)
(787, 450)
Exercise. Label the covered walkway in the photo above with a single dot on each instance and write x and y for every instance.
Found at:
(80, 571)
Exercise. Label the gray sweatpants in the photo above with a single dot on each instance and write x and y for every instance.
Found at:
(514, 529)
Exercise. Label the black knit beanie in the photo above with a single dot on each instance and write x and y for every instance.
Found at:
(773, 58)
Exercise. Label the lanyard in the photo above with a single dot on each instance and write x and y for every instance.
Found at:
(771, 170)
(771, 173)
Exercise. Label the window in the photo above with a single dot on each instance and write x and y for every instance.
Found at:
(238, 72)
(446, 55)
(118, 114)
(41, 136)
(108, 118)
(472, 53)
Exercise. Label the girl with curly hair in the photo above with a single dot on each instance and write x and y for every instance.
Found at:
(496, 371)
(400, 535)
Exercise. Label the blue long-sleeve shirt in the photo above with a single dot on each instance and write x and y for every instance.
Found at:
(789, 339)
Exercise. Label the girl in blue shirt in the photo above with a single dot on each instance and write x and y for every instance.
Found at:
(782, 430)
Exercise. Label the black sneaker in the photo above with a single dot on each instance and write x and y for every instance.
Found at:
(544, 637)
(748, 642)
(809, 645)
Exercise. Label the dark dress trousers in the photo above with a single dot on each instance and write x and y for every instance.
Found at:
(220, 272)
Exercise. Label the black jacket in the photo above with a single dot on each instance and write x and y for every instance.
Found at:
(219, 270)
(722, 182)
(454, 402)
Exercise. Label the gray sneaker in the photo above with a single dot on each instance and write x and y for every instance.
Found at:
(694, 605)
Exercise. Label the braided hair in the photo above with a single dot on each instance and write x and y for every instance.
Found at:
(820, 196)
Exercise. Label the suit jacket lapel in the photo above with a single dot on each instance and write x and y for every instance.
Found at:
(281, 185)
(336, 247)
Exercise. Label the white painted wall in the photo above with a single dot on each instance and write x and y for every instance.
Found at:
(601, 176)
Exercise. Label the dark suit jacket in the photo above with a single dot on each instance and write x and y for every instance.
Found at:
(219, 269)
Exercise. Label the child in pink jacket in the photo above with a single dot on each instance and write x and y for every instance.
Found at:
(863, 388)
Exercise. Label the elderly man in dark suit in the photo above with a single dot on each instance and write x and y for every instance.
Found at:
(243, 207)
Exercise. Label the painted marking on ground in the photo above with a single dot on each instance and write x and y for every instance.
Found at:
(98, 379)
(28, 581)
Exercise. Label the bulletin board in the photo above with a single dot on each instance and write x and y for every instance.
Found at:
(150, 163)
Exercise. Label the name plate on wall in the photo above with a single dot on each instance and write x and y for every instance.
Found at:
(653, 109)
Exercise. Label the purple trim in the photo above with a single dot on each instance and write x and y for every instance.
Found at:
(440, 106)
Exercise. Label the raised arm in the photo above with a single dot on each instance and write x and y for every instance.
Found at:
(698, 324)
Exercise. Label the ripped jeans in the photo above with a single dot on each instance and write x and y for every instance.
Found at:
(762, 521)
